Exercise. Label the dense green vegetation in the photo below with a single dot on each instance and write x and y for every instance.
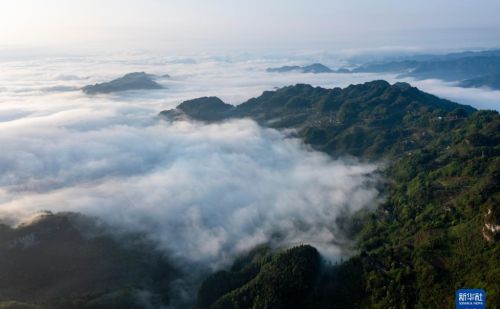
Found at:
(372, 120)
(292, 278)
(428, 239)
(284, 280)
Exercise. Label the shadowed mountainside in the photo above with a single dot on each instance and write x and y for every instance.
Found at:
(68, 260)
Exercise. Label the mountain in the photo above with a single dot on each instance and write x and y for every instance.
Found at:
(457, 69)
(457, 55)
(402, 66)
(288, 278)
(369, 120)
(312, 68)
(490, 81)
(291, 274)
(284, 69)
(399, 56)
(452, 67)
(130, 81)
(445, 69)
(68, 260)
(436, 232)
(205, 108)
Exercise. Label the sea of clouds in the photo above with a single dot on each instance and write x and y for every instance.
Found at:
(111, 154)
(201, 192)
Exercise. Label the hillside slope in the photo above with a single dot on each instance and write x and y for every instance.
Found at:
(68, 260)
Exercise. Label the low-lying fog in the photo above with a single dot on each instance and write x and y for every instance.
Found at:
(202, 192)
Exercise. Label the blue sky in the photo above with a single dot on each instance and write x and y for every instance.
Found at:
(278, 24)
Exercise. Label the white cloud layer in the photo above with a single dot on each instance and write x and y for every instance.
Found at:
(202, 192)
(219, 189)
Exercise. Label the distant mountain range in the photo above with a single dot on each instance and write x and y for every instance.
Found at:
(471, 69)
(468, 69)
(312, 68)
(489, 81)
(130, 81)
